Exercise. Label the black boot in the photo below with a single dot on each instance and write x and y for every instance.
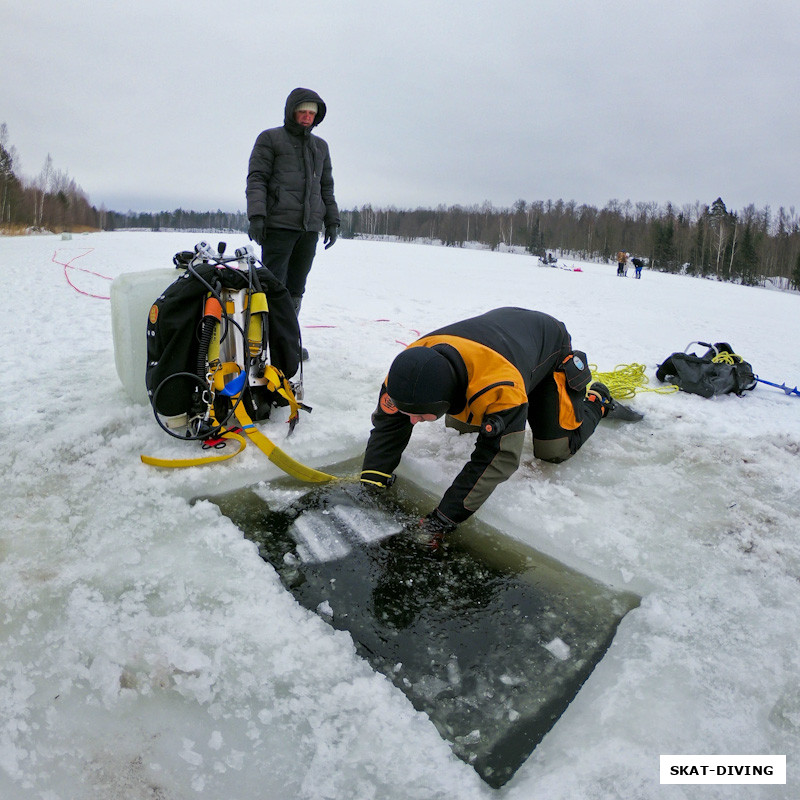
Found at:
(611, 408)
(297, 302)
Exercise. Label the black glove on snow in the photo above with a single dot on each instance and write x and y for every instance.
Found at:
(331, 235)
(256, 229)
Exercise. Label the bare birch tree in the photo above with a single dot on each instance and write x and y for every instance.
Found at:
(42, 185)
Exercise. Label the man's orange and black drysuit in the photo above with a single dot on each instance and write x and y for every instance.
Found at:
(510, 365)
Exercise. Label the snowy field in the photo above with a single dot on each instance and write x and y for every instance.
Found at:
(147, 652)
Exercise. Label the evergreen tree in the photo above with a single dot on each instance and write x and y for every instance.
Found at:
(745, 260)
(664, 257)
(10, 187)
(796, 273)
(536, 240)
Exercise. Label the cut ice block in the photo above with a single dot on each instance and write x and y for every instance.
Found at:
(132, 295)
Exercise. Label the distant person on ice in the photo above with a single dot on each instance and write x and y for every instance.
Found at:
(290, 196)
(622, 264)
(490, 375)
(638, 264)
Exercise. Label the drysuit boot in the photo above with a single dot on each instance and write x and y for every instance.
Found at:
(613, 409)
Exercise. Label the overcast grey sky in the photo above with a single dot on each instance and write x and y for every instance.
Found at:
(156, 105)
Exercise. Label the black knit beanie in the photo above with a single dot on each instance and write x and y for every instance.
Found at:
(421, 381)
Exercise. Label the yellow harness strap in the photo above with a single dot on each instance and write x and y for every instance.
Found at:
(276, 382)
(196, 462)
(275, 454)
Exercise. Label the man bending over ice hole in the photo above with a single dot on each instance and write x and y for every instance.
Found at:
(488, 374)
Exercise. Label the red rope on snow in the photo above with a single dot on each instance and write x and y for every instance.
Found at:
(397, 341)
(68, 265)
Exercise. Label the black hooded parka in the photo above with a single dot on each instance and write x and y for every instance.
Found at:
(290, 179)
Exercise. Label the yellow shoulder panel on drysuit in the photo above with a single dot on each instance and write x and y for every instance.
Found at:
(495, 384)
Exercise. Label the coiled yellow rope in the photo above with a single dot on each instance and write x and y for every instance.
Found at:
(627, 379)
(724, 357)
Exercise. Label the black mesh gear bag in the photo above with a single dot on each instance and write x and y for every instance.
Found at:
(718, 371)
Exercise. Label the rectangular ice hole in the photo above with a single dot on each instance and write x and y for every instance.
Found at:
(492, 641)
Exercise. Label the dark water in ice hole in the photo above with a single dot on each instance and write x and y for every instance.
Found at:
(492, 640)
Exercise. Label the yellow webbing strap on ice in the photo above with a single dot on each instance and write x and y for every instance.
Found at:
(197, 462)
(276, 382)
(275, 454)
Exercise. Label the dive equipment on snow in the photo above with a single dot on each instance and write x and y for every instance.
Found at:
(276, 455)
(718, 371)
(222, 341)
(208, 327)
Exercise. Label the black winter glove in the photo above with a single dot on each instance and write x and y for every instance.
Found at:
(331, 235)
(256, 229)
(435, 526)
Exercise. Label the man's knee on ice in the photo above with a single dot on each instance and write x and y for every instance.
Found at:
(553, 450)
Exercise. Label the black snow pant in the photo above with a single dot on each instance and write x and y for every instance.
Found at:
(288, 255)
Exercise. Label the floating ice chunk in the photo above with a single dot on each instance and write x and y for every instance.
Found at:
(189, 754)
(367, 524)
(430, 686)
(558, 648)
(473, 737)
(320, 539)
(324, 609)
(453, 672)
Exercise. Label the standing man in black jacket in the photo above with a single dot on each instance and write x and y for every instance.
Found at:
(290, 193)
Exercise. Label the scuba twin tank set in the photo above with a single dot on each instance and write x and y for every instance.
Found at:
(222, 344)
(224, 333)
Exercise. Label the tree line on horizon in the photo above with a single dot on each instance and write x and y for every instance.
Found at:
(751, 246)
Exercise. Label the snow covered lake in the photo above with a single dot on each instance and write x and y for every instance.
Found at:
(148, 652)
